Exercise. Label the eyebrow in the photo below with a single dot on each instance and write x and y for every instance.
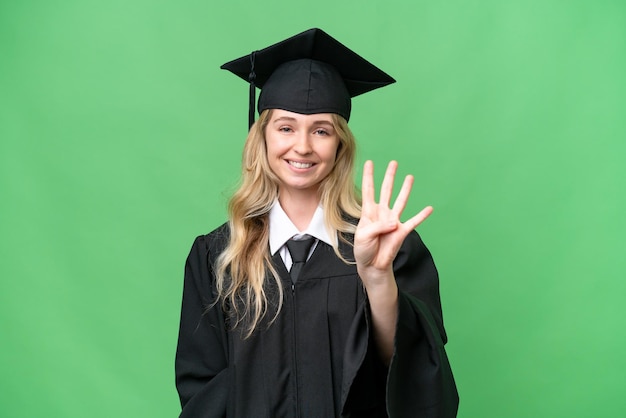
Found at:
(290, 119)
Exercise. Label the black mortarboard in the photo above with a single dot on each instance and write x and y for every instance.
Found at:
(308, 73)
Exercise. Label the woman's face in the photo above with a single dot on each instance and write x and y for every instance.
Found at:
(301, 149)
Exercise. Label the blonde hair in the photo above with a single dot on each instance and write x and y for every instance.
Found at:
(243, 266)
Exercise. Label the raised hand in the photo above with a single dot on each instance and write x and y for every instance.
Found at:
(380, 232)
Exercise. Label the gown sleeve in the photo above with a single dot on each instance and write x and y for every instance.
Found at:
(419, 381)
(202, 374)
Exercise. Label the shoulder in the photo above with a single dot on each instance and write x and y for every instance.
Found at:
(211, 244)
(218, 238)
(413, 248)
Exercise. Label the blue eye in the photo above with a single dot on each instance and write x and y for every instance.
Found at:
(285, 129)
(322, 132)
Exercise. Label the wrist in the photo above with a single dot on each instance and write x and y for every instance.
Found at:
(374, 276)
(376, 282)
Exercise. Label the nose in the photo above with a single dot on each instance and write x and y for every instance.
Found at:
(302, 144)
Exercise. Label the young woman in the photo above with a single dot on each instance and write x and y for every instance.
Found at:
(350, 327)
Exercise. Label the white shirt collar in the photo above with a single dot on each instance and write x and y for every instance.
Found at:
(282, 229)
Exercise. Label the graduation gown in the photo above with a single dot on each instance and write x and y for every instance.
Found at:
(318, 358)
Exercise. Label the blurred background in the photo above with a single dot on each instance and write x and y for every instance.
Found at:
(120, 141)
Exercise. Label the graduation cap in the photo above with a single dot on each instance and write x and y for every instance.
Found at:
(311, 72)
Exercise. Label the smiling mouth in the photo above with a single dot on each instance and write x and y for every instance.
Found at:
(300, 165)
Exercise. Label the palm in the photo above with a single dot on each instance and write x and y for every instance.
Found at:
(380, 232)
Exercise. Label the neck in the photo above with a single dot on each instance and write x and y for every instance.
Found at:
(300, 207)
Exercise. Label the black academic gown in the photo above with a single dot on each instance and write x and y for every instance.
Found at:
(318, 358)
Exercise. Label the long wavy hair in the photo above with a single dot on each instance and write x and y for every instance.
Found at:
(245, 264)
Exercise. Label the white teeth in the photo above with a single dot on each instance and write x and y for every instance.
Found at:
(300, 165)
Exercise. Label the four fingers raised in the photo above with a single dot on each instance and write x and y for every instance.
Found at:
(368, 193)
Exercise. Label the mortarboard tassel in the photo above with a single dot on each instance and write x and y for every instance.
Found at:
(251, 79)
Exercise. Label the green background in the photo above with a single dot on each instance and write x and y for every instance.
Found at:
(120, 140)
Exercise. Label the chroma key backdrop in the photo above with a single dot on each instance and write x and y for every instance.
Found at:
(121, 139)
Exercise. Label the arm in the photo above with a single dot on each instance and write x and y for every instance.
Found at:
(402, 286)
(377, 240)
(202, 352)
